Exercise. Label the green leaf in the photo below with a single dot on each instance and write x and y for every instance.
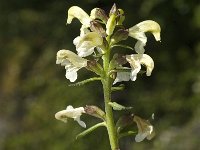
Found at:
(82, 134)
(117, 106)
(85, 81)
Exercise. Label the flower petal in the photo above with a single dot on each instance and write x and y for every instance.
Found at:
(136, 59)
(59, 116)
(140, 137)
(71, 75)
(80, 122)
(70, 107)
(122, 76)
(148, 62)
(77, 12)
(139, 47)
(134, 73)
(145, 26)
(74, 59)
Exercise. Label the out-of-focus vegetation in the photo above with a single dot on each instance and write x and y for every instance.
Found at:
(33, 88)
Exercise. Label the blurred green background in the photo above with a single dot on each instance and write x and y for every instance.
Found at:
(33, 88)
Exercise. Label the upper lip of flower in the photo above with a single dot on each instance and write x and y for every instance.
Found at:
(138, 32)
(80, 14)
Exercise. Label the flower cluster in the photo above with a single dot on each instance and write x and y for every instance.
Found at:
(99, 34)
(93, 41)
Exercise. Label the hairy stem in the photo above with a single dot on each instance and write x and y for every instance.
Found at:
(106, 81)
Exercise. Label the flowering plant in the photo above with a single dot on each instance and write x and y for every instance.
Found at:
(94, 46)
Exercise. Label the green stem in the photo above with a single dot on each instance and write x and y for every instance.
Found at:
(107, 84)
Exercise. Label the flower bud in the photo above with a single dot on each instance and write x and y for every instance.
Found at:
(95, 111)
(110, 26)
(113, 10)
(117, 60)
(121, 17)
(96, 27)
(124, 121)
(120, 35)
(98, 13)
(93, 66)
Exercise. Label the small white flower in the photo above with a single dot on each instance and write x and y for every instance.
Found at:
(71, 112)
(72, 63)
(80, 14)
(138, 32)
(145, 129)
(86, 43)
(136, 60)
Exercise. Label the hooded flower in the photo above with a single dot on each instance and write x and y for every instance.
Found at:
(72, 63)
(138, 32)
(71, 112)
(86, 43)
(145, 129)
(135, 60)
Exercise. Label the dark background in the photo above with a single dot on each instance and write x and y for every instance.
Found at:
(33, 88)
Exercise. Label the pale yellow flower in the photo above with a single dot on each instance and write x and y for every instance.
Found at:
(72, 63)
(136, 60)
(86, 43)
(138, 32)
(71, 112)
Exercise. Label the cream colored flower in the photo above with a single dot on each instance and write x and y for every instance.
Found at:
(138, 32)
(72, 63)
(80, 14)
(136, 60)
(71, 112)
(145, 129)
(86, 43)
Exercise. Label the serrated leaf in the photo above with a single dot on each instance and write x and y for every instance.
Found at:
(117, 106)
